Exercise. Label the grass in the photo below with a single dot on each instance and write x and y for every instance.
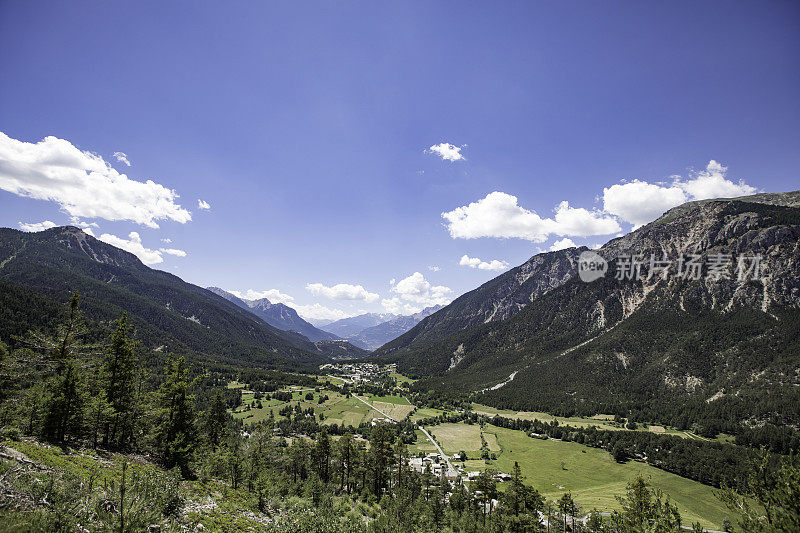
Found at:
(426, 412)
(601, 421)
(401, 378)
(593, 477)
(423, 445)
(454, 438)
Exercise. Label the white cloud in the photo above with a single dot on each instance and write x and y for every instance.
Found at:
(474, 262)
(273, 295)
(173, 251)
(122, 158)
(712, 183)
(562, 244)
(37, 226)
(640, 202)
(134, 245)
(85, 226)
(202, 204)
(415, 293)
(396, 306)
(580, 222)
(434, 268)
(82, 183)
(342, 291)
(498, 215)
(166, 241)
(447, 151)
(320, 312)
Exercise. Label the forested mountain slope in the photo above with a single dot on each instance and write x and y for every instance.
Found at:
(168, 313)
(495, 300)
(720, 350)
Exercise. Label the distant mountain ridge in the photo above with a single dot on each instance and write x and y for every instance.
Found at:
(374, 337)
(348, 327)
(167, 312)
(277, 315)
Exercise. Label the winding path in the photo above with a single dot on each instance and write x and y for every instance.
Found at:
(450, 470)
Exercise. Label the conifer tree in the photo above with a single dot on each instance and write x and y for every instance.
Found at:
(216, 420)
(175, 433)
(119, 371)
(62, 359)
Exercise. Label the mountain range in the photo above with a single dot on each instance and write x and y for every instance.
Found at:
(167, 313)
(278, 315)
(372, 330)
(720, 350)
(714, 350)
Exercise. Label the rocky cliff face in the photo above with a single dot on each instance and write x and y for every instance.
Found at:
(495, 300)
(722, 343)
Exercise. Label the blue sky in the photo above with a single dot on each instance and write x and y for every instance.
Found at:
(307, 128)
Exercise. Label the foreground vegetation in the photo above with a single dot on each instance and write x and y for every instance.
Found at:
(97, 439)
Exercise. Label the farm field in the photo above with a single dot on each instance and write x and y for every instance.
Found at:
(592, 475)
(336, 410)
(601, 421)
(426, 412)
(454, 438)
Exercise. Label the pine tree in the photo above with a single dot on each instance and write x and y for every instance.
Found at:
(119, 370)
(216, 420)
(62, 359)
(175, 433)
(322, 456)
(345, 459)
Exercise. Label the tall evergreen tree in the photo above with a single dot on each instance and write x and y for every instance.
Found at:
(119, 369)
(216, 420)
(175, 433)
(62, 359)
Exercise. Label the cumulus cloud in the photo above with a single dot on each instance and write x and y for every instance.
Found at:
(415, 293)
(320, 312)
(713, 183)
(37, 226)
(133, 244)
(122, 157)
(447, 151)
(85, 226)
(499, 215)
(202, 204)
(563, 244)
(342, 291)
(273, 295)
(173, 251)
(640, 202)
(83, 184)
(474, 262)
